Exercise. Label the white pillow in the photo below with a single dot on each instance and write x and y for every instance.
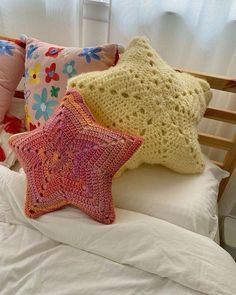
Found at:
(189, 201)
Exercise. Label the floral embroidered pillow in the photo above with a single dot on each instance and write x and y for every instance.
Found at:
(47, 68)
(12, 58)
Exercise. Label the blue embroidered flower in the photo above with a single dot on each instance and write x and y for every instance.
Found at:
(6, 48)
(69, 69)
(43, 106)
(31, 50)
(90, 53)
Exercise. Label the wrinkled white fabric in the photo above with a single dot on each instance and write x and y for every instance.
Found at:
(32, 264)
(138, 244)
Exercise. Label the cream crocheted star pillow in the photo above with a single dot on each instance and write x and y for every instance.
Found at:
(143, 95)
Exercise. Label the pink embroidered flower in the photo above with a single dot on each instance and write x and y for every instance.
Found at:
(51, 74)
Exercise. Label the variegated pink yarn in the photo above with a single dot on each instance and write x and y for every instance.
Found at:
(71, 160)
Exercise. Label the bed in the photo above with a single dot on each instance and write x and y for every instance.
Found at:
(194, 205)
(158, 245)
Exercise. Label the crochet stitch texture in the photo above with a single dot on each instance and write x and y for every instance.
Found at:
(71, 160)
(143, 95)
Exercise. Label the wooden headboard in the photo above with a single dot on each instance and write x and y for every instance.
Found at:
(223, 115)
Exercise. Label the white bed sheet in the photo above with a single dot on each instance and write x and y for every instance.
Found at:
(32, 264)
(65, 252)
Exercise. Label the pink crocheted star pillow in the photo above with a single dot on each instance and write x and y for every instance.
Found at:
(71, 161)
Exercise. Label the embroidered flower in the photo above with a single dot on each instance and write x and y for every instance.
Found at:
(31, 49)
(34, 74)
(54, 91)
(29, 125)
(53, 51)
(27, 117)
(6, 48)
(69, 69)
(90, 53)
(43, 106)
(51, 74)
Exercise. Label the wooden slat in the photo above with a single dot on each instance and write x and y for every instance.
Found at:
(215, 81)
(215, 141)
(221, 115)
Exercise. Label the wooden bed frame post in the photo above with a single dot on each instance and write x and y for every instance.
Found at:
(229, 165)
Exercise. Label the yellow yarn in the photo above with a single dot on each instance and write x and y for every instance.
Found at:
(143, 95)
